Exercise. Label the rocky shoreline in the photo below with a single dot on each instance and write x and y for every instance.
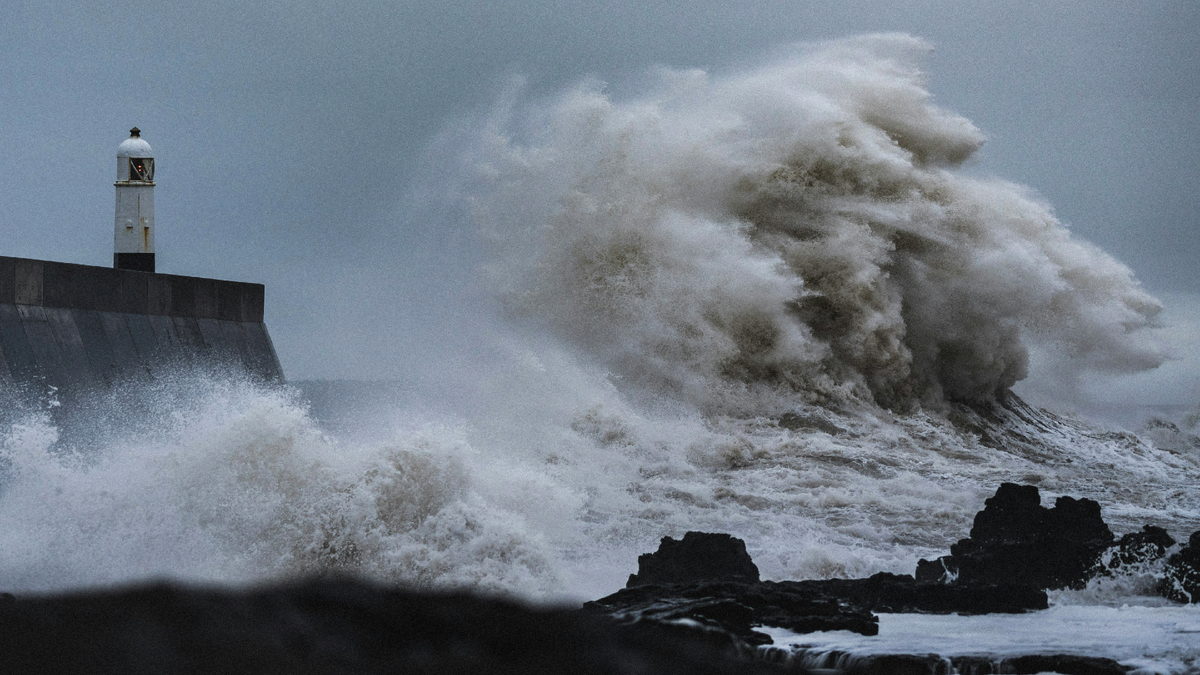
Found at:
(692, 607)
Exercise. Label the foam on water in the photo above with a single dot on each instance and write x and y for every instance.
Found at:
(760, 302)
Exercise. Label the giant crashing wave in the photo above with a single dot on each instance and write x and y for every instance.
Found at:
(794, 252)
(787, 317)
(795, 231)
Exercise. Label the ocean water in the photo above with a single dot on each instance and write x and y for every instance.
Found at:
(763, 302)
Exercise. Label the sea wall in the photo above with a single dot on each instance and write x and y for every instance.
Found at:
(78, 327)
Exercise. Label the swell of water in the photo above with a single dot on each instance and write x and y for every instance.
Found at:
(773, 308)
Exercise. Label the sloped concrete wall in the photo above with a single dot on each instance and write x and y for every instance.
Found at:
(77, 327)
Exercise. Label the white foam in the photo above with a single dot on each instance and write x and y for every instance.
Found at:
(235, 483)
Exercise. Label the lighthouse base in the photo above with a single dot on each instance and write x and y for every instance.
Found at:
(137, 262)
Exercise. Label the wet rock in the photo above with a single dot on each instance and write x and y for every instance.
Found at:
(736, 608)
(1181, 582)
(699, 556)
(845, 663)
(1138, 549)
(710, 582)
(336, 627)
(940, 570)
(1065, 664)
(1015, 540)
(896, 593)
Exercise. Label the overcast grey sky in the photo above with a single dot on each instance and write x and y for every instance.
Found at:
(288, 134)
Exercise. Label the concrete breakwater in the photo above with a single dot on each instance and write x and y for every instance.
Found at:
(79, 327)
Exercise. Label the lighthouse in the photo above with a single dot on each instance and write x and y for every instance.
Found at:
(133, 241)
(67, 329)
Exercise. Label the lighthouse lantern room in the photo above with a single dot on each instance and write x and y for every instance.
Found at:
(133, 241)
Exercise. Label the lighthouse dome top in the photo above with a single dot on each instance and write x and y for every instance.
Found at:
(134, 146)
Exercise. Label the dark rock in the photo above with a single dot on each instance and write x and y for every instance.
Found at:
(699, 556)
(339, 627)
(941, 570)
(346, 626)
(797, 421)
(1141, 548)
(1181, 582)
(1066, 664)
(896, 593)
(1015, 540)
(807, 606)
(845, 663)
(736, 607)
(710, 581)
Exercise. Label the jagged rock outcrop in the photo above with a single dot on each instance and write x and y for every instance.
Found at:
(1016, 540)
(699, 556)
(808, 606)
(1139, 549)
(1181, 582)
(736, 608)
(710, 581)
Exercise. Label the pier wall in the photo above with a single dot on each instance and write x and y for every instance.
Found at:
(76, 327)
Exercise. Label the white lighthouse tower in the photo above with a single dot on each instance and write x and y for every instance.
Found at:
(133, 243)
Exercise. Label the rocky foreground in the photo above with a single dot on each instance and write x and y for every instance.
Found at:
(692, 607)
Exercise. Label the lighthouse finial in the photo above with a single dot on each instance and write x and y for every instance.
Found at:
(135, 133)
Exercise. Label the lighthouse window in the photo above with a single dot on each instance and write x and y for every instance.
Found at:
(141, 168)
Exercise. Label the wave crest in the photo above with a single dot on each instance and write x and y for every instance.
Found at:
(798, 227)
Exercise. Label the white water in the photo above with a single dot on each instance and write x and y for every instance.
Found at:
(1152, 640)
(683, 268)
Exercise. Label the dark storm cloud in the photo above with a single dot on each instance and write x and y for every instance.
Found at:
(289, 134)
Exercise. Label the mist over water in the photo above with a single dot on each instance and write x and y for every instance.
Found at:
(760, 302)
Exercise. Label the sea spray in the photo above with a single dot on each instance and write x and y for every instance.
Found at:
(797, 227)
(224, 480)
